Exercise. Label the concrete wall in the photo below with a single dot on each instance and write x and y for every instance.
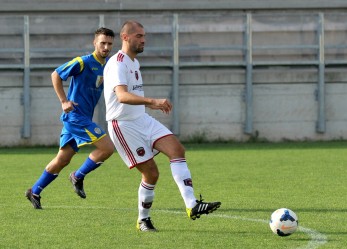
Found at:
(164, 5)
(283, 110)
(211, 96)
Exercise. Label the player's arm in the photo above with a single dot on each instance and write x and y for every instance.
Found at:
(125, 97)
(57, 82)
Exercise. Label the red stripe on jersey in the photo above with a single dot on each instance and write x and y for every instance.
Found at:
(120, 57)
(123, 143)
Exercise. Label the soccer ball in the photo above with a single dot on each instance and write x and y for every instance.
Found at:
(284, 222)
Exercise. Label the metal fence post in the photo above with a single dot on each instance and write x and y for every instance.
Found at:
(248, 129)
(26, 83)
(101, 104)
(175, 77)
(321, 81)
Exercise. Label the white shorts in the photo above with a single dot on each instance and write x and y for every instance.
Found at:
(135, 139)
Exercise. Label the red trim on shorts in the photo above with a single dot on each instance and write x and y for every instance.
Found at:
(123, 143)
(135, 165)
(159, 139)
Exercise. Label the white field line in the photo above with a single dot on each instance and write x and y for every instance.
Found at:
(317, 238)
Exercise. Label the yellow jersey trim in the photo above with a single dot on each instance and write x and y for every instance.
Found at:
(93, 138)
(97, 59)
(80, 61)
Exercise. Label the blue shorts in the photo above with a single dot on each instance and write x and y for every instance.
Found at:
(78, 135)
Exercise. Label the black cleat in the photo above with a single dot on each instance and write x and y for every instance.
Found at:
(77, 184)
(34, 199)
(202, 208)
(145, 225)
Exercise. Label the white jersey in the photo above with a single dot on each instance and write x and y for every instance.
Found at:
(122, 70)
(132, 131)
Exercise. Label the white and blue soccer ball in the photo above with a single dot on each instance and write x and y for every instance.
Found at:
(284, 222)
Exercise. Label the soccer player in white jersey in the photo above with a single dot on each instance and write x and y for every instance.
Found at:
(137, 136)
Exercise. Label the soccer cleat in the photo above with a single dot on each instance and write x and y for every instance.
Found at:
(145, 225)
(34, 199)
(77, 184)
(202, 208)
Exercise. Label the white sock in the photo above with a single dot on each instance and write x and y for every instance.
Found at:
(183, 179)
(146, 196)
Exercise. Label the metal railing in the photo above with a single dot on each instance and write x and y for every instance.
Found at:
(175, 62)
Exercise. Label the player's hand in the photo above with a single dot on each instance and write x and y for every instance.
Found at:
(68, 106)
(161, 104)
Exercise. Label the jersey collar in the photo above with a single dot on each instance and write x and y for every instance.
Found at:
(97, 59)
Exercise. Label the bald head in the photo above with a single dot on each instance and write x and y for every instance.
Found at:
(133, 39)
(129, 27)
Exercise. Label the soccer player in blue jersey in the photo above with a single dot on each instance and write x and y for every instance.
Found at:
(84, 92)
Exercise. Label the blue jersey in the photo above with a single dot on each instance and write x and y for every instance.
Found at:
(85, 88)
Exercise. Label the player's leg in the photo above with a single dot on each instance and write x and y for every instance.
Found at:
(170, 146)
(174, 150)
(150, 175)
(131, 141)
(89, 134)
(104, 149)
(62, 159)
(50, 173)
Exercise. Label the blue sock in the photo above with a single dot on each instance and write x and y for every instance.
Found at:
(87, 166)
(45, 179)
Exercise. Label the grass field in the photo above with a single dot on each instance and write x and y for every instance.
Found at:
(251, 181)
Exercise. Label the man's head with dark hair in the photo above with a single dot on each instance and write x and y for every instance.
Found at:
(103, 42)
(104, 31)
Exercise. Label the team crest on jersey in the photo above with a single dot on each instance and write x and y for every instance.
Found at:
(136, 75)
(99, 81)
(97, 130)
(140, 151)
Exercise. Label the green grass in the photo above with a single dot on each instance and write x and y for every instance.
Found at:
(251, 181)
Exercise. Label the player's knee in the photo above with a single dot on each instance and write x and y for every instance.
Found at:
(178, 152)
(108, 151)
(155, 175)
(151, 176)
(182, 151)
(62, 162)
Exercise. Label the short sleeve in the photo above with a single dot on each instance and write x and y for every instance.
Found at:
(71, 68)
